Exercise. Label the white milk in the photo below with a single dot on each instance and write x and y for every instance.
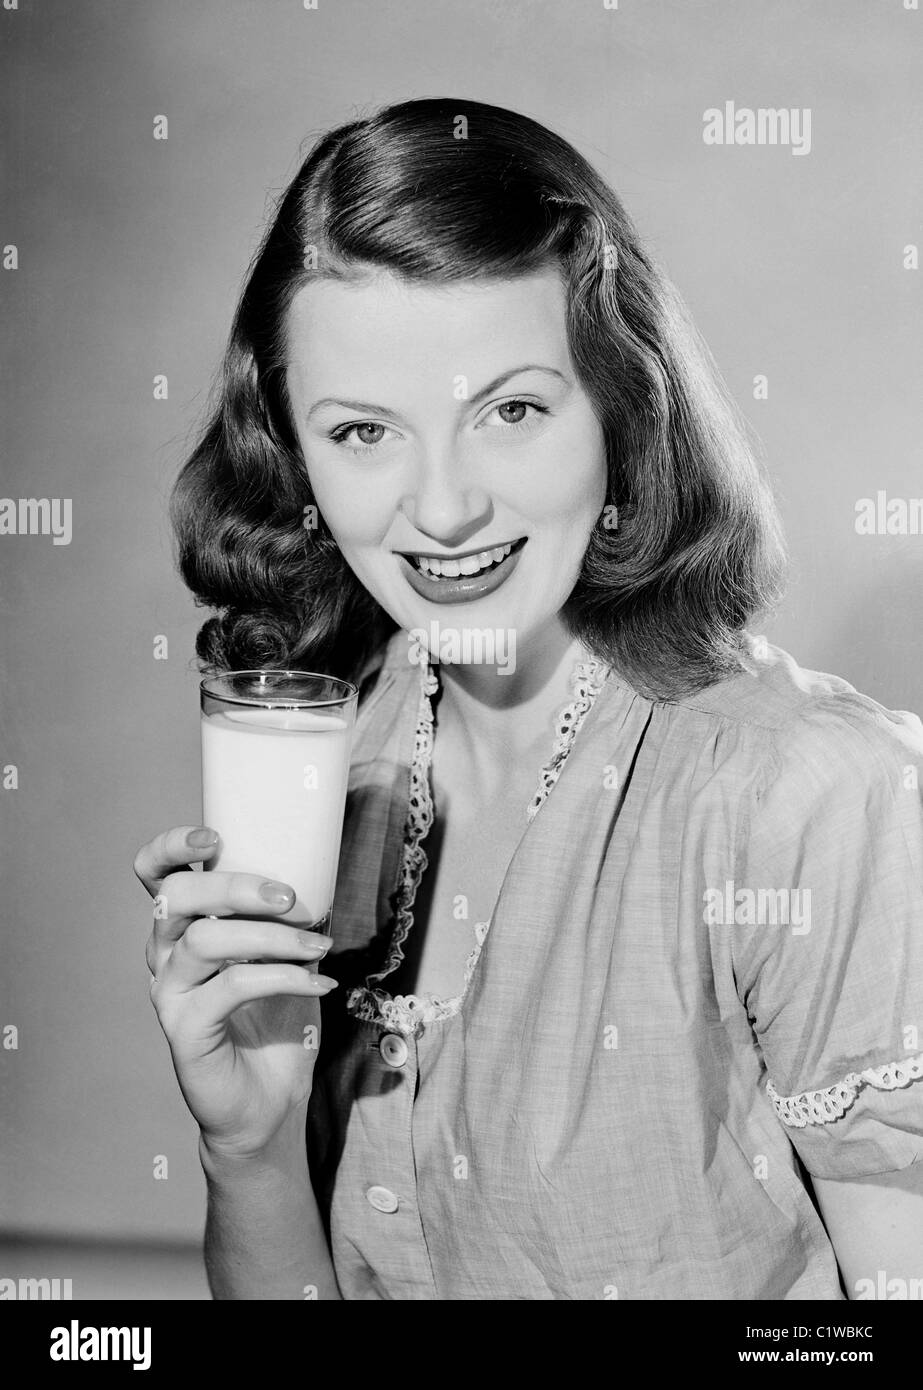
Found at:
(274, 788)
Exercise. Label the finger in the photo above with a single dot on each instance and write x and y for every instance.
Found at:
(217, 999)
(184, 896)
(174, 849)
(208, 942)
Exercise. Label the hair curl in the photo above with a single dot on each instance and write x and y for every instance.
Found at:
(671, 576)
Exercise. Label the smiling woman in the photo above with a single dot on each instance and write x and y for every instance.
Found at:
(450, 497)
(553, 1070)
(391, 235)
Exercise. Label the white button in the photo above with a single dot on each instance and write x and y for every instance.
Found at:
(393, 1050)
(382, 1199)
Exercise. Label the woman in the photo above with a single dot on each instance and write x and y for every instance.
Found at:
(624, 926)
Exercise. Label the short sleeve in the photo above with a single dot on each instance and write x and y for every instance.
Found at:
(827, 943)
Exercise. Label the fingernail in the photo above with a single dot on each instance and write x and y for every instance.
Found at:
(326, 982)
(201, 839)
(312, 947)
(276, 894)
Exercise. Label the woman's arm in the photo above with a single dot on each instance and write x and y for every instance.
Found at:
(876, 1227)
(235, 1001)
(263, 1233)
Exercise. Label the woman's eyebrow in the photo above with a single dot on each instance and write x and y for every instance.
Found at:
(515, 371)
(371, 408)
(361, 407)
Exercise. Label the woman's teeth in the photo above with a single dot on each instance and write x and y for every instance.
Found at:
(468, 564)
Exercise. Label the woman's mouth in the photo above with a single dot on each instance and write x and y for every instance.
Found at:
(461, 578)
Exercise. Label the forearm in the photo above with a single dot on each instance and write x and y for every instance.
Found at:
(264, 1238)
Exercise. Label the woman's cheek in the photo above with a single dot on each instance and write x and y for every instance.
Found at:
(564, 497)
(568, 474)
(355, 517)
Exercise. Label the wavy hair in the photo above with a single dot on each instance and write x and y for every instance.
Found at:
(688, 546)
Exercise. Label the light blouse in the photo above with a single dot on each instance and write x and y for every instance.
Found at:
(704, 969)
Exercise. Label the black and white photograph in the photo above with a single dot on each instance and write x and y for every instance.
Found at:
(461, 760)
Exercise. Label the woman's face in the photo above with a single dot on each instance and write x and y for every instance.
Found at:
(440, 426)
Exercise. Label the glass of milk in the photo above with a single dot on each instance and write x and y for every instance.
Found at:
(275, 764)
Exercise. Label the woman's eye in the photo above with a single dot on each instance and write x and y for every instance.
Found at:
(364, 436)
(367, 435)
(517, 412)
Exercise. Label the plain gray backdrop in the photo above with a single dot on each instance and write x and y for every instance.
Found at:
(131, 252)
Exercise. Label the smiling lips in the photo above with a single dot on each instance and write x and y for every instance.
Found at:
(465, 564)
(463, 577)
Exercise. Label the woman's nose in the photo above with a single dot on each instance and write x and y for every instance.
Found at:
(444, 501)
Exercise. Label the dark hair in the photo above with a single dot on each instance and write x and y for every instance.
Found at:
(688, 547)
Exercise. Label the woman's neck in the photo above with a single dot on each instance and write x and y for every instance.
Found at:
(502, 719)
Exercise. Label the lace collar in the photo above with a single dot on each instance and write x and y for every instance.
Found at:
(410, 1013)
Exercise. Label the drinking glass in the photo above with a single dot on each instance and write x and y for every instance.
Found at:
(275, 764)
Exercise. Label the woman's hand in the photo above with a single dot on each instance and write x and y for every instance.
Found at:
(244, 1038)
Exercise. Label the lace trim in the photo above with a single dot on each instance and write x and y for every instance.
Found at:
(586, 683)
(823, 1107)
(409, 1013)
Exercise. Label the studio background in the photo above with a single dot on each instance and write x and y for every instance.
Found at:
(131, 251)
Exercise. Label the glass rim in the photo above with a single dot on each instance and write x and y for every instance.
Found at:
(283, 702)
